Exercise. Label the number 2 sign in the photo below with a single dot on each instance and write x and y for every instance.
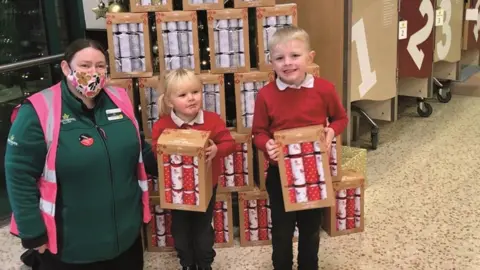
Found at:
(415, 54)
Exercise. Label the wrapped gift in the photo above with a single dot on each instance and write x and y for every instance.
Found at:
(269, 19)
(253, 3)
(213, 93)
(247, 86)
(355, 159)
(202, 4)
(149, 94)
(129, 45)
(222, 221)
(304, 168)
(151, 5)
(347, 216)
(237, 167)
(177, 38)
(228, 40)
(159, 230)
(187, 179)
(256, 219)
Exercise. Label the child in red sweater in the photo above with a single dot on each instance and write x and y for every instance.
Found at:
(294, 99)
(181, 107)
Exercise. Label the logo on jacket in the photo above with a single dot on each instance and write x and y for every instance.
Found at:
(11, 140)
(66, 119)
(86, 140)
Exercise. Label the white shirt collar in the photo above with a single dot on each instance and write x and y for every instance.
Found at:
(307, 83)
(179, 122)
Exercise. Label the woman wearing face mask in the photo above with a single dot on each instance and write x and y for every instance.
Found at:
(75, 170)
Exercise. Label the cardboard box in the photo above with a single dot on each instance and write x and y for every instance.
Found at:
(187, 179)
(247, 86)
(255, 219)
(193, 5)
(253, 3)
(177, 39)
(313, 69)
(213, 93)
(149, 94)
(350, 200)
(355, 159)
(269, 19)
(228, 40)
(154, 6)
(159, 231)
(129, 45)
(237, 167)
(126, 84)
(222, 221)
(304, 168)
(263, 165)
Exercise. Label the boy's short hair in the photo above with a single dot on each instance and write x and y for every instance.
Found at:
(289, 33)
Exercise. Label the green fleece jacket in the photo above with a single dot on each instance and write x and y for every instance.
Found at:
(98, 207)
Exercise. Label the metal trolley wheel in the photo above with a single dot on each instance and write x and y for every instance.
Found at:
(442, 90)
(424, 109)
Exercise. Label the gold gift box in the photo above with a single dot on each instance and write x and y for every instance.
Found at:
(355, 159)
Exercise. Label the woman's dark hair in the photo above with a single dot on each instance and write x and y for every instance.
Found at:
(81, 44)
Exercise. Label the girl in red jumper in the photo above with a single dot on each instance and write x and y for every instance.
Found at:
(181, 107)
(311, 100)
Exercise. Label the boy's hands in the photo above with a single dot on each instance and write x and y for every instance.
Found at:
(273, 149)
(329, 135)
(211, 151)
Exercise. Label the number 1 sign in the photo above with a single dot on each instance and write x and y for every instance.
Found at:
(373, 50)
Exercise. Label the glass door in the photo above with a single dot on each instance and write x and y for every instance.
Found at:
(29, 29)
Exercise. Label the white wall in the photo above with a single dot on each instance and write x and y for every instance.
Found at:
(90, 17)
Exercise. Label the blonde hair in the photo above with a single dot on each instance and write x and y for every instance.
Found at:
(289, 33)
(170, 84)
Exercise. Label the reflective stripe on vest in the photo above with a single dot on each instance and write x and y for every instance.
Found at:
(47, 104)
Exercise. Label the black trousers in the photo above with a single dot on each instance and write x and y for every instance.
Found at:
(194, 236)
(131, 259)
(308, 222)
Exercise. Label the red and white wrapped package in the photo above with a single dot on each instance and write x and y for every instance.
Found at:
(347, 216)
(236, 173)
(302, 164)
(160, 228)
(186, 183)
(221, 221)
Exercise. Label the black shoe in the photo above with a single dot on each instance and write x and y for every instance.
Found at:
(28, 257)
(203, 268)
(191, 267)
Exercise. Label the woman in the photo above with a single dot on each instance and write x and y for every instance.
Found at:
(74, 171)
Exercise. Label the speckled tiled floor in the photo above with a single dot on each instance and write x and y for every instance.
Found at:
(422, 203)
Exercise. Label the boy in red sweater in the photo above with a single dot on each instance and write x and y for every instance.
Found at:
(294, 99)
(180, 107)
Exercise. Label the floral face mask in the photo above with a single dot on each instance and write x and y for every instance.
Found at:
(88, 85)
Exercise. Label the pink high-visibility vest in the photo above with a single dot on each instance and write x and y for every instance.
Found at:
(48, 106)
